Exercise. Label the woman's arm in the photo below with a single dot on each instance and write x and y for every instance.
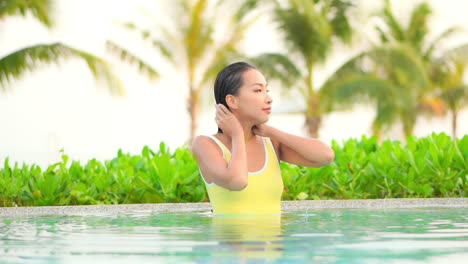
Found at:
(298, 150)
(232, 175)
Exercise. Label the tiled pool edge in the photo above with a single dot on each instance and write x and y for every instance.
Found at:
(377, 203)
(287, 206)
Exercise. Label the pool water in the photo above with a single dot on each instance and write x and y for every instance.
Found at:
(312, 236)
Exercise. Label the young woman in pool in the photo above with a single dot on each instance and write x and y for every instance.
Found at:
(240, 164)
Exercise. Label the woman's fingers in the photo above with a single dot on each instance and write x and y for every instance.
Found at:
(223, 109)
(255, 130)
(219, 112)
(225, 119)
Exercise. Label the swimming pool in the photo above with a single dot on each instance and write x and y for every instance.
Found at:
(311, 235)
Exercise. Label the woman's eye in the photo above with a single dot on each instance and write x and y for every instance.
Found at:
(258, 90)
(268, 91)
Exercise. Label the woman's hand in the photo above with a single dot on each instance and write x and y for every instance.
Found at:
(262, 130)
(227, 121)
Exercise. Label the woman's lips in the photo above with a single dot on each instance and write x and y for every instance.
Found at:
(268, 109)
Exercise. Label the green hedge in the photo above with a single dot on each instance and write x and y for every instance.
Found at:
(434, 166)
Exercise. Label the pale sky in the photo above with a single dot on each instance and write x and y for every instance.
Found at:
(63, 107)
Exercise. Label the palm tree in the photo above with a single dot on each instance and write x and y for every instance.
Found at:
(390, 76)
(395, 74)
(448, 71)
(193, 48)
(311, 29)
(16, 63)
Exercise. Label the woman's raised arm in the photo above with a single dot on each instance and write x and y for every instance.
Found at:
(297, 150)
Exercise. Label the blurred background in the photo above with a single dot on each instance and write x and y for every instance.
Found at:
(92, 77)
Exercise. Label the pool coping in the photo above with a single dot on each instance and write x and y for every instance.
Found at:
(381, 204)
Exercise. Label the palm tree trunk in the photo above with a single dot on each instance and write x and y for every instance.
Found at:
(409, 122)
(454, 123)
(313, 118)
(193, 109)
(193, 101)
(313, 125)
(377, 130)
(408, 130)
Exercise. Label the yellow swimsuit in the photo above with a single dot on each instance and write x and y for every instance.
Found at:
(262, 194)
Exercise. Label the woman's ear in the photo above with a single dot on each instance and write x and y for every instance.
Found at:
(231, 101)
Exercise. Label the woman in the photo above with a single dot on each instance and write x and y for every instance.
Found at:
(240, 164)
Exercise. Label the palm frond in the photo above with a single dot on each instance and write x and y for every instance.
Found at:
(456, 97)
(277, 66)
(447, 70)
(228, 50)
(40, 9)
(17, 63)
(394, 63)
(238, 31)
(384, 37)
(396, 30)
(386, 116)
(302, 17)
(340, 22)
(183, 6)
(387, 76)
(223, 56)
(130, 58)
(365, 88)
(245, 9)
(355, 66)
(418, 26)
(427, 54)
(389, 112)
(459, 54)
(220, 60)
(198, 34)
(148, 36)
(401, 64)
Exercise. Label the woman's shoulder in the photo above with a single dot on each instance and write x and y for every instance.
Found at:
(203, 144)
(208, 137)
(203, 140)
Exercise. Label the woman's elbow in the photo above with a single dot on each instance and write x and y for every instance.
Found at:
(239, 184)
(328, 157)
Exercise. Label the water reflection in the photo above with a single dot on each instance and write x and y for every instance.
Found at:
(247, 237)
(318, 236)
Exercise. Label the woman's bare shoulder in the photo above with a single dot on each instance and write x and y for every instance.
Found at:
(202, 142)
(207, 152)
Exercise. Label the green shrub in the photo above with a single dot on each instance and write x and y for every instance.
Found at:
(433, 166)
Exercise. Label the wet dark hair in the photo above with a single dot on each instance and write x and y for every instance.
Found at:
(228, 81)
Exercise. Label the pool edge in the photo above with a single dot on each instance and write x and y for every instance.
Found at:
(286, 206)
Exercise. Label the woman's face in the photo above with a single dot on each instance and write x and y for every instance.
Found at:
(254, 102)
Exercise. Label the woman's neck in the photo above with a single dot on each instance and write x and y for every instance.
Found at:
(248, 133)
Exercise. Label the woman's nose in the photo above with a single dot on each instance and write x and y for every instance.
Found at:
(268, 99)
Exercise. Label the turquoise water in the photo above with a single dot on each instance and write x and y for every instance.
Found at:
(313, 236)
